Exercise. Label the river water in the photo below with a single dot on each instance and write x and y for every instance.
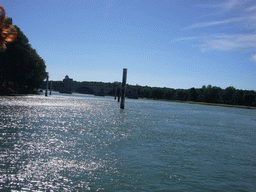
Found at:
(87, 143)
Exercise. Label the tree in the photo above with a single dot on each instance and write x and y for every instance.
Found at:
(181, 94)
(22, 69)
(249, 98)
(157, 93)
(145, 92)
(169, 94)
(201, 93)
(238, 97)
(192, 94)
(212, 94)
(227, 96)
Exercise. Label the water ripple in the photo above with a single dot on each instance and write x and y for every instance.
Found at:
(69, 143)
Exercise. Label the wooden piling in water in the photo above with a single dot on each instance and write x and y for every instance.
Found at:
(123, 88)
(115, 93)
(46, 91)
(51, 88)
(118, 94)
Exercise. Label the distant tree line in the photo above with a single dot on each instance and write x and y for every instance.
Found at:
(208, 94)
(22, 70)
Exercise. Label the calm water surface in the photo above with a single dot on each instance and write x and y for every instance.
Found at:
(86, 143)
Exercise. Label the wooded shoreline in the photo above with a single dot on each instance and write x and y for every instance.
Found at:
(204, 103)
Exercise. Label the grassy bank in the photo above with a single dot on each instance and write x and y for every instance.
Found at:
(213, 104)
(219, 104)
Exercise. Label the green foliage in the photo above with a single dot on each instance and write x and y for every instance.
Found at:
(211, 94)
(181, 95)
(170, 94)
(227, 95)
(192, 94)
(22, 70)
(208, 94)
(145, 92)
(249, 98)
(8, 21)
(157, 93)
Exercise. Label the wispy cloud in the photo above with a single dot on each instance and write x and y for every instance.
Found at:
(213, 23)
(231, 4)
(185, 38)
(254, 58)
(223, 42)
(228, 42)
(244, 20)
(251, 8)
(224, 6)
(244, 11)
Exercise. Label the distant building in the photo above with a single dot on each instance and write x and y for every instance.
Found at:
(67, 85)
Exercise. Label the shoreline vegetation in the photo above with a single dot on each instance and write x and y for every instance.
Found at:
(207, 95)
(222, 105)
(204, 103)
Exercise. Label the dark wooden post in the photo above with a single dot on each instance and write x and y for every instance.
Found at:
(51, 88)
(115, 92)
(123, 88)
(118, 94)
(46, 91)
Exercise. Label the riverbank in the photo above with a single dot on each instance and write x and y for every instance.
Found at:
(204, 103)
(220, 104)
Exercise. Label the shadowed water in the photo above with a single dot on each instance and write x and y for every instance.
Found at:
(81, 142)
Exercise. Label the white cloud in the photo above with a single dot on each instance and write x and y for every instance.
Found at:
(229, 42)
(212, 23)
(224, 6)
(254, 57)
(244, 20)
(224, 42)
(244, 11)
(219, 44)
(251, 8)
(185, 38)
(231, 4)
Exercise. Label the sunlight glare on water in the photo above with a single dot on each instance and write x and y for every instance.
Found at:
(82, 142)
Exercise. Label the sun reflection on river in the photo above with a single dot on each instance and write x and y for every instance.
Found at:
(69, 143)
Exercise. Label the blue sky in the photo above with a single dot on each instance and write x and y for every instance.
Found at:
(163, 43)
